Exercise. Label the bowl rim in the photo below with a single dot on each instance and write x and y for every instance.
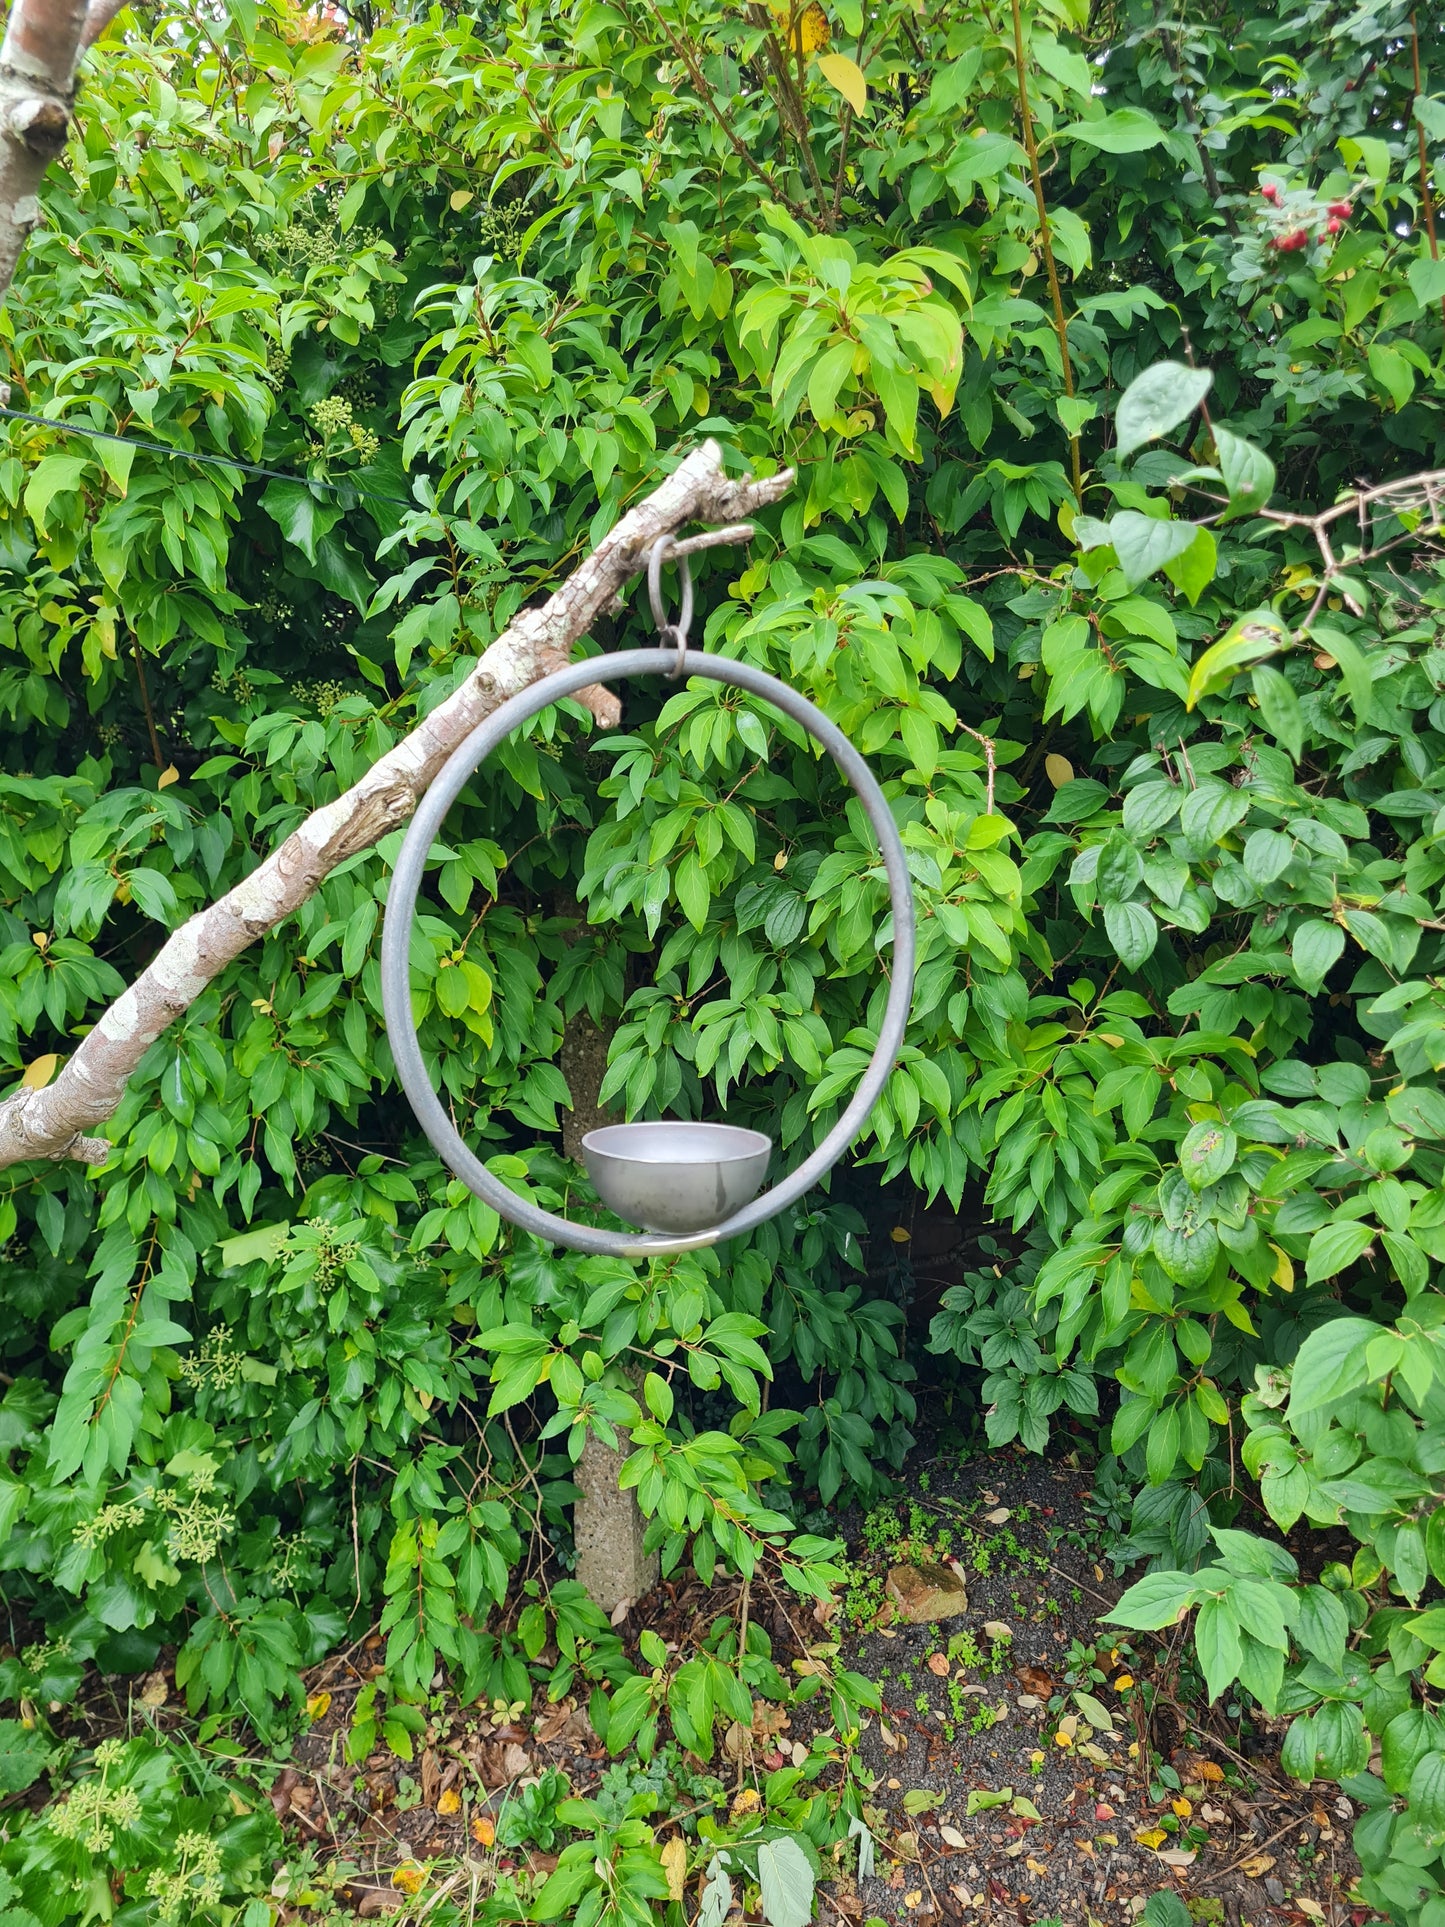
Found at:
(756, 1143)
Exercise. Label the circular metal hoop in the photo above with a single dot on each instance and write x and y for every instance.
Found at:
(401, 908)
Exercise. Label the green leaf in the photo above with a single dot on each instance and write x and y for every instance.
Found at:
(1247, 642)
(1155, 1601)
(1330, 1363)
(1133, 931)
(1217, 1642)
(1248, 473)
(301, 518)
(1280, 709)
(1143, 543)
(786, 1883)
(1314, 950)
(1427, 1796)
(1164, 395)
(1127, 130)
(53, 475)
(1208, 1151)
(1334, 1246)
(266, 1241)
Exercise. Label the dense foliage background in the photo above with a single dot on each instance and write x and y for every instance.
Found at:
(1169, 770)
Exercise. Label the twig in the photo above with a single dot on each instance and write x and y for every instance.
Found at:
(1061, 326)
(145, 697)
(1427, 202)
(988, 757)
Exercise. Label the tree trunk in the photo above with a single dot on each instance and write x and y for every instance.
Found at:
(607, 1522)
(44, 40)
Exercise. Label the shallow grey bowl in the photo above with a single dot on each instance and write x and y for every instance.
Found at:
(676, 1177)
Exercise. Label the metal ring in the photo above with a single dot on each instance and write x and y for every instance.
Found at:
(656, 556)
(401, 907)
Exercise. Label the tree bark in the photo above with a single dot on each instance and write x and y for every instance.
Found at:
(44, 40)
(52, 1122)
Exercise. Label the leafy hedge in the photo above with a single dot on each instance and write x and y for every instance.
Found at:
(1071, 326)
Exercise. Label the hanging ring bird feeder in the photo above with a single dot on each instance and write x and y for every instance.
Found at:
(695, 1184)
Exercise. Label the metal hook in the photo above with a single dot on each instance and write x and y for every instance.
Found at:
(670, 631)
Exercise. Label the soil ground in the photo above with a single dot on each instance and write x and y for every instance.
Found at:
(1030, 1765)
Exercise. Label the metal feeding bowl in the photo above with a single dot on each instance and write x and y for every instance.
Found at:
(688, 1185)
(676, 1177)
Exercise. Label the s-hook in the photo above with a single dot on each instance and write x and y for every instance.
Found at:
(670, 631)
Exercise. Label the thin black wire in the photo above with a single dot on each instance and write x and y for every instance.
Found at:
(198, 455)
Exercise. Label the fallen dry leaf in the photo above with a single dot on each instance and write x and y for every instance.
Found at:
(951, 1837)
(999, 1516)
(1182, 1807)
(156, 1690)
(1257, 1864)
(674, 1865)
(938, 1665)
(914, 1897)
(1310, 1907)
(449, 1802)
(516, 1761)
(409, 1877)
(1207, 1770)
(318, 1705)
(1036, 1680)
(484, 1830)
(1178, 1856)
(1151, 1836)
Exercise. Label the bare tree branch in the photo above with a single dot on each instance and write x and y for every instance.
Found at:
(52, 1122)
(98, 16)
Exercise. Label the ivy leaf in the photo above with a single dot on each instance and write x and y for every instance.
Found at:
(301, 518)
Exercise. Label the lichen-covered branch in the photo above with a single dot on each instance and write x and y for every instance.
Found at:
(52, 1122)
(44, 40)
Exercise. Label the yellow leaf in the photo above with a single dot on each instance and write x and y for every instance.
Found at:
(409, 1877)
(1122, 1682)
(1151, 1837)
(1207, 1770)
(170, 774)
(914, 1898)
(484, 1830)
(318, 1705)
(39, 1073)
(674, 1865)
(1059, 770)
(899, 1235)
(1283, 1273)
(450, 1802)
(460, 197)
(810, 32)
(1182, 1807)
(748, 1801)
(847, 76)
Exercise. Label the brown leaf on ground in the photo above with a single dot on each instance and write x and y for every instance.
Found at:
(431, 1776)
(1034, 1679)
(939, 1663)
(516, 1761)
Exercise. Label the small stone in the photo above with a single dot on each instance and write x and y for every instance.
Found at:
(927, 1593)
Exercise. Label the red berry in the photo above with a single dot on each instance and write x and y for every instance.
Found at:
(1341, 210)
(1333, 225)
(1291, 243)
(1270, 191)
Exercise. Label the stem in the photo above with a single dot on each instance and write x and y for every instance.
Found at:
(145, 696)
(1427, 201)
(686, 55)
(1061, 327)
(1196, 132)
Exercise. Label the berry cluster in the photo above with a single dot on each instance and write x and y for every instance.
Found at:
(1296, 236)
